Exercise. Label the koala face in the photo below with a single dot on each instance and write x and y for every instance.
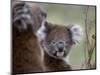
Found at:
(57, 41)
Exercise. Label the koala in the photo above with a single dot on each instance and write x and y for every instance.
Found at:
(56, 41)
(27, 18)
(39, 46)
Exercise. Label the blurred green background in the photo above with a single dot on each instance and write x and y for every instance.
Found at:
(65, 14)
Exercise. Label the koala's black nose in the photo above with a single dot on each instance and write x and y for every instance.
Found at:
(60, 46)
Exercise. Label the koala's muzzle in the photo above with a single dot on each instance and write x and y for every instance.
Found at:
(60, 46)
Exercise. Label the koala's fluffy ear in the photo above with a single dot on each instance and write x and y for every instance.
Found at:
(21, 15)
(76, 33)
(24, 16)
(44, 30)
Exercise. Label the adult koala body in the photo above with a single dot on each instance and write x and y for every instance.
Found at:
(56, 42)
(27, 18)
(38, 46)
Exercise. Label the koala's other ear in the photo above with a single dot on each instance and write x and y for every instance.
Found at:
(21, 15)
(44, 30)
(26, 15)
(76, 33)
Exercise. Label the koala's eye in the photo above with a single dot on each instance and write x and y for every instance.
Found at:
(66, 41)
(44, 14)
(53, 42)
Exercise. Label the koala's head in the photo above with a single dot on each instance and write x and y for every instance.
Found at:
(27, 15)
(57, 41)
